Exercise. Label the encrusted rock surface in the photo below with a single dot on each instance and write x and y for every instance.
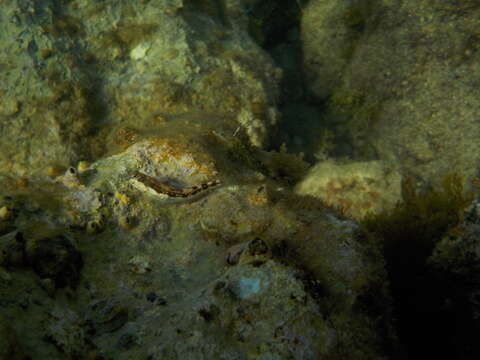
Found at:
(107, 109)
(158, 278)
(358, 188)
(75, 71)
(401, 80)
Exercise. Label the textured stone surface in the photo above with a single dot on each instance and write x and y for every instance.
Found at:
(358, 188)
(74, 71)
(176, 91)
(156, 280)
(402, 81)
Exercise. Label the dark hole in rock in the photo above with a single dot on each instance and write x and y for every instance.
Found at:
(58, 259)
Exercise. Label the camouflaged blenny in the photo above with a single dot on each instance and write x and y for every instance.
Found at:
(163, 188)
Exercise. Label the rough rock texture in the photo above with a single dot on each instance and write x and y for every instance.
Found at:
(99, 261)
(242, 270)
(401, 79)
(46, 107)
(72, 72)
(359, 188)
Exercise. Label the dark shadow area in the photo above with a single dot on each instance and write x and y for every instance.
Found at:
(275, 25)
(434, 318)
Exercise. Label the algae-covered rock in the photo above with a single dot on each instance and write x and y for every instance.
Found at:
(248, 312)
(358, 189)
(401, 81)
(170, 285)
(45, 91)
(76, 70)
(331, 25)
(66, 330)
(175, 237)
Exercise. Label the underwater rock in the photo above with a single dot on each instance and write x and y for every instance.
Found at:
(157, 287)
(255, 251)
(234, 253)
(12, 250)
(91, 65)
(65, 329)
(262, 311)
(357, 189)
(166, 278)
(324, 27)
(56, 258)
(385, 70)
